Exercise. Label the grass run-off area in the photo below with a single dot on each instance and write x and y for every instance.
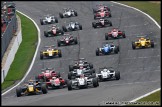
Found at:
(24, 54)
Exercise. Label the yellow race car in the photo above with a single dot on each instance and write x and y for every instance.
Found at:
(32, 87)
(142, 42)
(50, 53)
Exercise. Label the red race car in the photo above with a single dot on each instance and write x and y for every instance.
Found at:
(47, 74)
(100, 8)
(56, 82)
(115, 34)
(102, 14)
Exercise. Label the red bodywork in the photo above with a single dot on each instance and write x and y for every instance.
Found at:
(115, 33)
(58, 81)
(103, 14)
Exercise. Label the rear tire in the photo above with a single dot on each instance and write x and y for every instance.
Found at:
(56, 20)
(80, 27)
(106, 36)
(75, 13)
(117, 75)
(152, 44)
(95, 82)
(41, 21)
(41, 55)
(45, 33)
(94, 24)
(44, 89)
(69, 75)
(75, 40)
(69, 83)
(61, 15)
(58, 43)
(133, 45)
(97, 52)
(59, 53)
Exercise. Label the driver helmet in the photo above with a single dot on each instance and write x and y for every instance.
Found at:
(101, 19)
(114, 30)
(104, 70)
(82, 76)
(53, 78)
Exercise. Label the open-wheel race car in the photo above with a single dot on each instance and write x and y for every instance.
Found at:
(107, 73)
(33, 87)
(115, 34)
(72, 26)
(67, 40)
(47, 74)
(143, 42)
(81, 62)
(100, 8)
(82, 82)
(102, 14)
(102, 23)
(107, 48)
(50, 52)
(48, 19)
(53, 31)
(68, 12)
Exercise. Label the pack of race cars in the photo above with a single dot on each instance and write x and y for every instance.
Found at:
(82, 73)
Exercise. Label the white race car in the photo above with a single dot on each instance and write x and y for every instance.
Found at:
(49, 19)
(107, 73)
(82, 82)
(68, 13)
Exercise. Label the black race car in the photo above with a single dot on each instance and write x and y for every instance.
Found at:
(54, 31)
(102, 23)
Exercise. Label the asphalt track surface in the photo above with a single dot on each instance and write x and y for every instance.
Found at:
(139, 69)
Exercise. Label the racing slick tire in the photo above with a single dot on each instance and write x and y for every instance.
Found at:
(95, 17)
(64, 28)
(18, 92)
(90, 65)
(80, 27)
(133, 45)
(95, 82)
(45, 33)
(117, 75)
(41, 21)
(44, 88)
(116, 50)
(152, 44)
(41, 55)
(110, 15)
(58, 43)
(75, 40)
(59, 53)
(94, 25)
(110, 23)
(123, 35)
(106, 36)
(71, 68)
(56, 20)
(69, 84)
(75, 13)
(61, 15)
(69, 75)
(97, 52)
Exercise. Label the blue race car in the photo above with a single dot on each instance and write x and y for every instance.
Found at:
(107, 49)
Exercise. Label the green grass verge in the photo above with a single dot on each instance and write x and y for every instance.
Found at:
(24, 54)
(152, 9)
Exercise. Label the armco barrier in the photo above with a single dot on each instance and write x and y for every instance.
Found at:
(12, 49)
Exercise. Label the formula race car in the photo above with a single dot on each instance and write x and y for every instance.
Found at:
(56, 82)
(72, 26)
(102, 23)
(107, 49)
(115, 34)
(100, 8)
(49, 19)
(47, 74)
(54, 31)
(77, 72)
(102, 14)
(82, 82)
(143, 42)
(50, 53)
(80, 62)
(32, 87)
(68, 13)
(107, 73)
(68, 40)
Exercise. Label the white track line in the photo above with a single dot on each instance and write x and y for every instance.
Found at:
(31, 65)
(159, 28)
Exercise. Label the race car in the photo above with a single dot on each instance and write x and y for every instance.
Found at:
(107, 49)
(54, 31)
(72, 26)
(142, 42)
(68, 40)
(80, 62)
(82, 82)
(106, 73)
(115, 34)
(47, 74)
(56, 82)
(100, 8)
(50, 53)
(49, 19)
(67, 12)
(30, 88)
(80, 71)
(102, 14)
(102, 23)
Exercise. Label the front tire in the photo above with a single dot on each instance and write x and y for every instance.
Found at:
(117, 75)
(106, 36)
(69, 84)
(18, 92)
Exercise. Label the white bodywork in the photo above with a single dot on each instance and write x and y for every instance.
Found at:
(105, 74)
